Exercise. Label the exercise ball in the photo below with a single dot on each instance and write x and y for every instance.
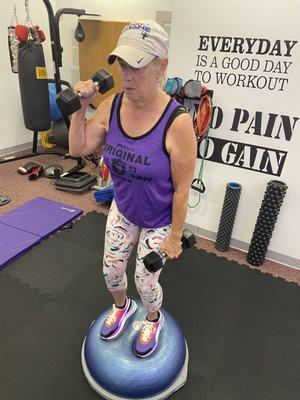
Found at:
(55, 113)
(115, 372)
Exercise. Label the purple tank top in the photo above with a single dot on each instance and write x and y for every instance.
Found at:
(140, 169)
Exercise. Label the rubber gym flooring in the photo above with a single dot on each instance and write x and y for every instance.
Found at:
(242, 326)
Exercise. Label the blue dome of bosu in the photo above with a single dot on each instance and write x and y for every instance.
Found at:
(115, 372)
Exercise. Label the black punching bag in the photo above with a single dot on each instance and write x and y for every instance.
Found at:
(34, 86)
(79, 33)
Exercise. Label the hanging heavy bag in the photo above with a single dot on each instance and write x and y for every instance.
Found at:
(34, 86)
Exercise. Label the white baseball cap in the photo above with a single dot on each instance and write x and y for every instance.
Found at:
(140, 42)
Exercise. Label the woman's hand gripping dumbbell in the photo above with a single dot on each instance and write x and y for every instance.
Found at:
(154, 261)
(70, 101)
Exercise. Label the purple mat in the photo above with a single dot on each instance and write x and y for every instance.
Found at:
(14, 243)
(29, 224)
(40, 216)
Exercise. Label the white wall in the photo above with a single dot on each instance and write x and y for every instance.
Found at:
(256, 19)
(13, 131)
(118, 10)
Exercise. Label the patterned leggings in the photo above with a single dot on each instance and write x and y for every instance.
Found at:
(120, 238)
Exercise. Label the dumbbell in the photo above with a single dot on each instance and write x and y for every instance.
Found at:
(69, 101)
(153, 261)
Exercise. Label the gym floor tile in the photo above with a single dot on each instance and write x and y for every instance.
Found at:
(18, 306)
(89, 292)
(242, 326)
(261, 360)
(52, 265)
(43, 360)
(91, 228)
(205, 300)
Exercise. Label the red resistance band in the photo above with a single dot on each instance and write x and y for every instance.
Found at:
(203, 116)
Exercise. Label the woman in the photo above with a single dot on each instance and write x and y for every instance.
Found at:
(150, 150)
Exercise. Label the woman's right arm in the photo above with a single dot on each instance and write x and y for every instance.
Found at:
(85, 137)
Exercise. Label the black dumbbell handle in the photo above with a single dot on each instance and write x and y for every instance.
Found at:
(162, 254)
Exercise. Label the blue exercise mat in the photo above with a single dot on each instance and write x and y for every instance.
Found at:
(15, 242)
(27, 225)
(41, 216)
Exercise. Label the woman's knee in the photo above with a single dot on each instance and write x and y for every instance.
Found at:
(151, 293)
(115, 280)
(114, 270)
(145, 286)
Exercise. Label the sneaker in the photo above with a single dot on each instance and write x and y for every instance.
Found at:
(147, 340)
(115, 321)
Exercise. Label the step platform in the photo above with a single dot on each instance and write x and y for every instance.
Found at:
(76, 182)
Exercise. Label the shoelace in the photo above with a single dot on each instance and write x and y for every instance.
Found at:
(112, 317)
(147, 330)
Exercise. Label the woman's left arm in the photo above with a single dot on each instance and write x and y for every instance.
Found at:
(182, 147)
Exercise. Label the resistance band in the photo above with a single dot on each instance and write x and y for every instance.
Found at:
(201, 125)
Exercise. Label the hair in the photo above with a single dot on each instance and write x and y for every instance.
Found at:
(162, 80)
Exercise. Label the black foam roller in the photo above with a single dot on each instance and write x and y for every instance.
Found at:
(265, 223)
(230, 205)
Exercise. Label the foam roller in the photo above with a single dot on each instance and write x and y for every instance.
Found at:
(265, 223)
(230, 205)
